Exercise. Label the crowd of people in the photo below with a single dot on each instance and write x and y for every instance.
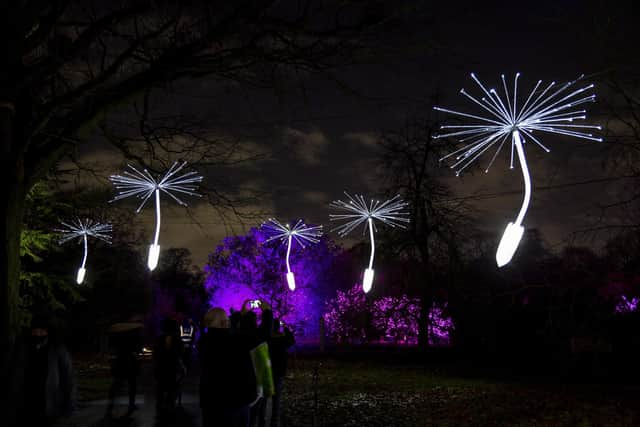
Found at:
(242, 367)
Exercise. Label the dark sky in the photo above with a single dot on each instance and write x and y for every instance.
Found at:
(322, 137)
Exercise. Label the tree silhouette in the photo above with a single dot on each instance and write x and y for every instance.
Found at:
(68, 64)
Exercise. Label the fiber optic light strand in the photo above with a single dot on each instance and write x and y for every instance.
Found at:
(551, 109)
(83, 229)
(357, 211)
(142, 185)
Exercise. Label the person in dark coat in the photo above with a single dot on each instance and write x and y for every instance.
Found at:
(168, 367)
(227, 382)
(279, 343)
(125, 367)
(248, 327)
(43, 377)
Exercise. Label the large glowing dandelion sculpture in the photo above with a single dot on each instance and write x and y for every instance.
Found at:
(551, 108)
(82, 230)
(300, 233)
(356, 211)
(143, 185)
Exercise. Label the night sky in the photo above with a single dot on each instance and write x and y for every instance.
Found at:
(321, 136)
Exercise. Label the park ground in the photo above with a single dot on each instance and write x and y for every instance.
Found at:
(335, 391)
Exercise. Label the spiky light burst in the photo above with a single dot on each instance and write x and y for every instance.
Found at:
(142, 185)
(356, 211)
(300, 233)
(548, 108)
(82, 229)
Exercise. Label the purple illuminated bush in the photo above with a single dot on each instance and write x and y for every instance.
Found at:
(622, 289)
(397, 318)
(346, 316)
(349, 318)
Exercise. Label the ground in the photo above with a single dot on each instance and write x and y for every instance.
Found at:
(335, 392)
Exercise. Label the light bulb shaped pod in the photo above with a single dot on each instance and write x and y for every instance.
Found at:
(154, 254)
(80, 275)
(367, 281)
(509, 243)
(291, 281)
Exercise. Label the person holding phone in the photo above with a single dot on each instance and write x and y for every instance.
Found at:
(279, 343)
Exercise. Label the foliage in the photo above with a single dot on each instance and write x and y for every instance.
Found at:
(350, 318)
(397, 318)
(44, 286)
(346, 316)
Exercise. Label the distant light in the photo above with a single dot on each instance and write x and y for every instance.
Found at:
(390, 212)
(82, 230)
(143, 185)
(300, 232)
(549, 109)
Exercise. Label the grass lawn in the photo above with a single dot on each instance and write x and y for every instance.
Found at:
(387, 394)
(390, 393)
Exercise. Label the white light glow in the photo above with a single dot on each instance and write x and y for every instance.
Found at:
(300, 233)
(367, 280)
(80, 275)
(509, 243)
(141, 184)
(154, 255)
(357, 211)
(83, 229)
(548, 108)
(291, 281)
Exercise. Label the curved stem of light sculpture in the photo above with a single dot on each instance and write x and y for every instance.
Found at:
(288, 253)
(154, 248)
(514, 231)
(82, 270)
(291, 280)
(157, 235)
(367, 280)
(373, 245)
(84, 258)
(526, 176)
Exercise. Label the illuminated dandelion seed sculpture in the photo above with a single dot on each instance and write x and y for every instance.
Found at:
(300, 233)
(141, 184)
(82, 230)
(551, 108)
(356, 211)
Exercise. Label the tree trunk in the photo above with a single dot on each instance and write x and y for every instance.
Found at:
(12, 206)
(426, 299)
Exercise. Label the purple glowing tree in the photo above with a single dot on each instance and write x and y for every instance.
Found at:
(397, 318)
(346, 316)
(250, 267)
(349, 318)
